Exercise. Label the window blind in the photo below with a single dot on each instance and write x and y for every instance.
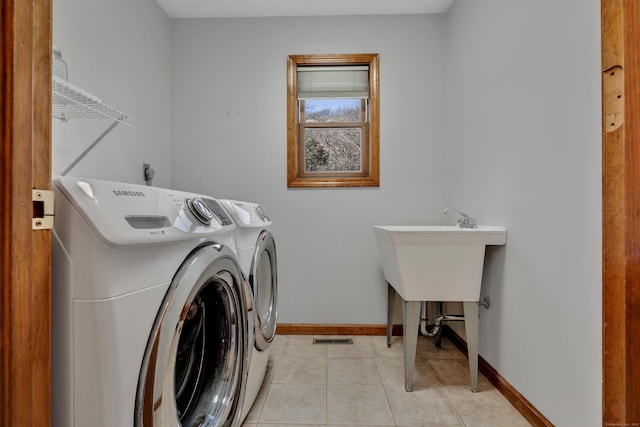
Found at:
(333, 82)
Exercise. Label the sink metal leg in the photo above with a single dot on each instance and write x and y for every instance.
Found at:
(438, 338)
(471, 328)
(391, 304)
(410, 320)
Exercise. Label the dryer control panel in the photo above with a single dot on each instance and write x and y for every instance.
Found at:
(247, 214)
(124, 214)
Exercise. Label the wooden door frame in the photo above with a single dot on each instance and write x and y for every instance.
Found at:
(25, 254)
(621, 212)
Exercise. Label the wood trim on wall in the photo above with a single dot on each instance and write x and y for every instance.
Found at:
(621, 212)
(25, 255)
(314, 329)
(522, 405)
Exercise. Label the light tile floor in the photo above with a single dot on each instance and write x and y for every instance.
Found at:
(362, 384)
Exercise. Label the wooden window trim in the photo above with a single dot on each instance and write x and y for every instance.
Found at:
(370, 175)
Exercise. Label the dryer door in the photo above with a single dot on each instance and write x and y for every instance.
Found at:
(263, 278)
(195, 364)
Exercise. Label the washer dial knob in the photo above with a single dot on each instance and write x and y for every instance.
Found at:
(200, 210)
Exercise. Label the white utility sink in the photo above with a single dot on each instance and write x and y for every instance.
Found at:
(434, 263)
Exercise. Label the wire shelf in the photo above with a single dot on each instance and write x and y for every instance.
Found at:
(69, 101)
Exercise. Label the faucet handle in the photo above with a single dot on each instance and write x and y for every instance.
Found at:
(467, 222)
(464, 220)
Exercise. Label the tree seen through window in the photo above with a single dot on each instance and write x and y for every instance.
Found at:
(331, 142)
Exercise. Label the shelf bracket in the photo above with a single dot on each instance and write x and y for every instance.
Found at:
(90, 147)
(68, 101)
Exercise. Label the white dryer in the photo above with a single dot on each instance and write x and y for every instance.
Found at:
(256, 251)
(149, 310)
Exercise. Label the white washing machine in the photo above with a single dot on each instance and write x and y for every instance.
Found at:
(149, 310)
(257, 256)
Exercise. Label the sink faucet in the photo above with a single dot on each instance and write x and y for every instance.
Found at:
(465, 221)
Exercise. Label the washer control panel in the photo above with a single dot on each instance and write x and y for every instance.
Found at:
(200, 210)
(129, 214)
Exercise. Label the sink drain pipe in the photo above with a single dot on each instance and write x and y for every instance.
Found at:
(437, 323)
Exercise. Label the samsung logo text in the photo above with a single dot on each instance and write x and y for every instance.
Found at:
(128, 193)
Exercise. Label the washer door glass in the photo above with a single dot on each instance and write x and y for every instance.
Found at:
(263, 278)
(194, 368)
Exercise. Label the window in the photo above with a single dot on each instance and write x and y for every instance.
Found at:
(333, 121)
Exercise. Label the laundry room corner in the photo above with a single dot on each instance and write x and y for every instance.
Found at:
(119, 52)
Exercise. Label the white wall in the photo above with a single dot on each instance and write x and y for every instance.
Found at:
(117, 50)
(524, 151)
(230, 137)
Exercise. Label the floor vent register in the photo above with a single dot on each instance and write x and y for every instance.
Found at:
(333, 341)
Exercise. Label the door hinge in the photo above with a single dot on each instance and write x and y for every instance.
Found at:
(42, 209)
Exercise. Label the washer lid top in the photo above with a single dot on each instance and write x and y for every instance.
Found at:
(123, 214)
